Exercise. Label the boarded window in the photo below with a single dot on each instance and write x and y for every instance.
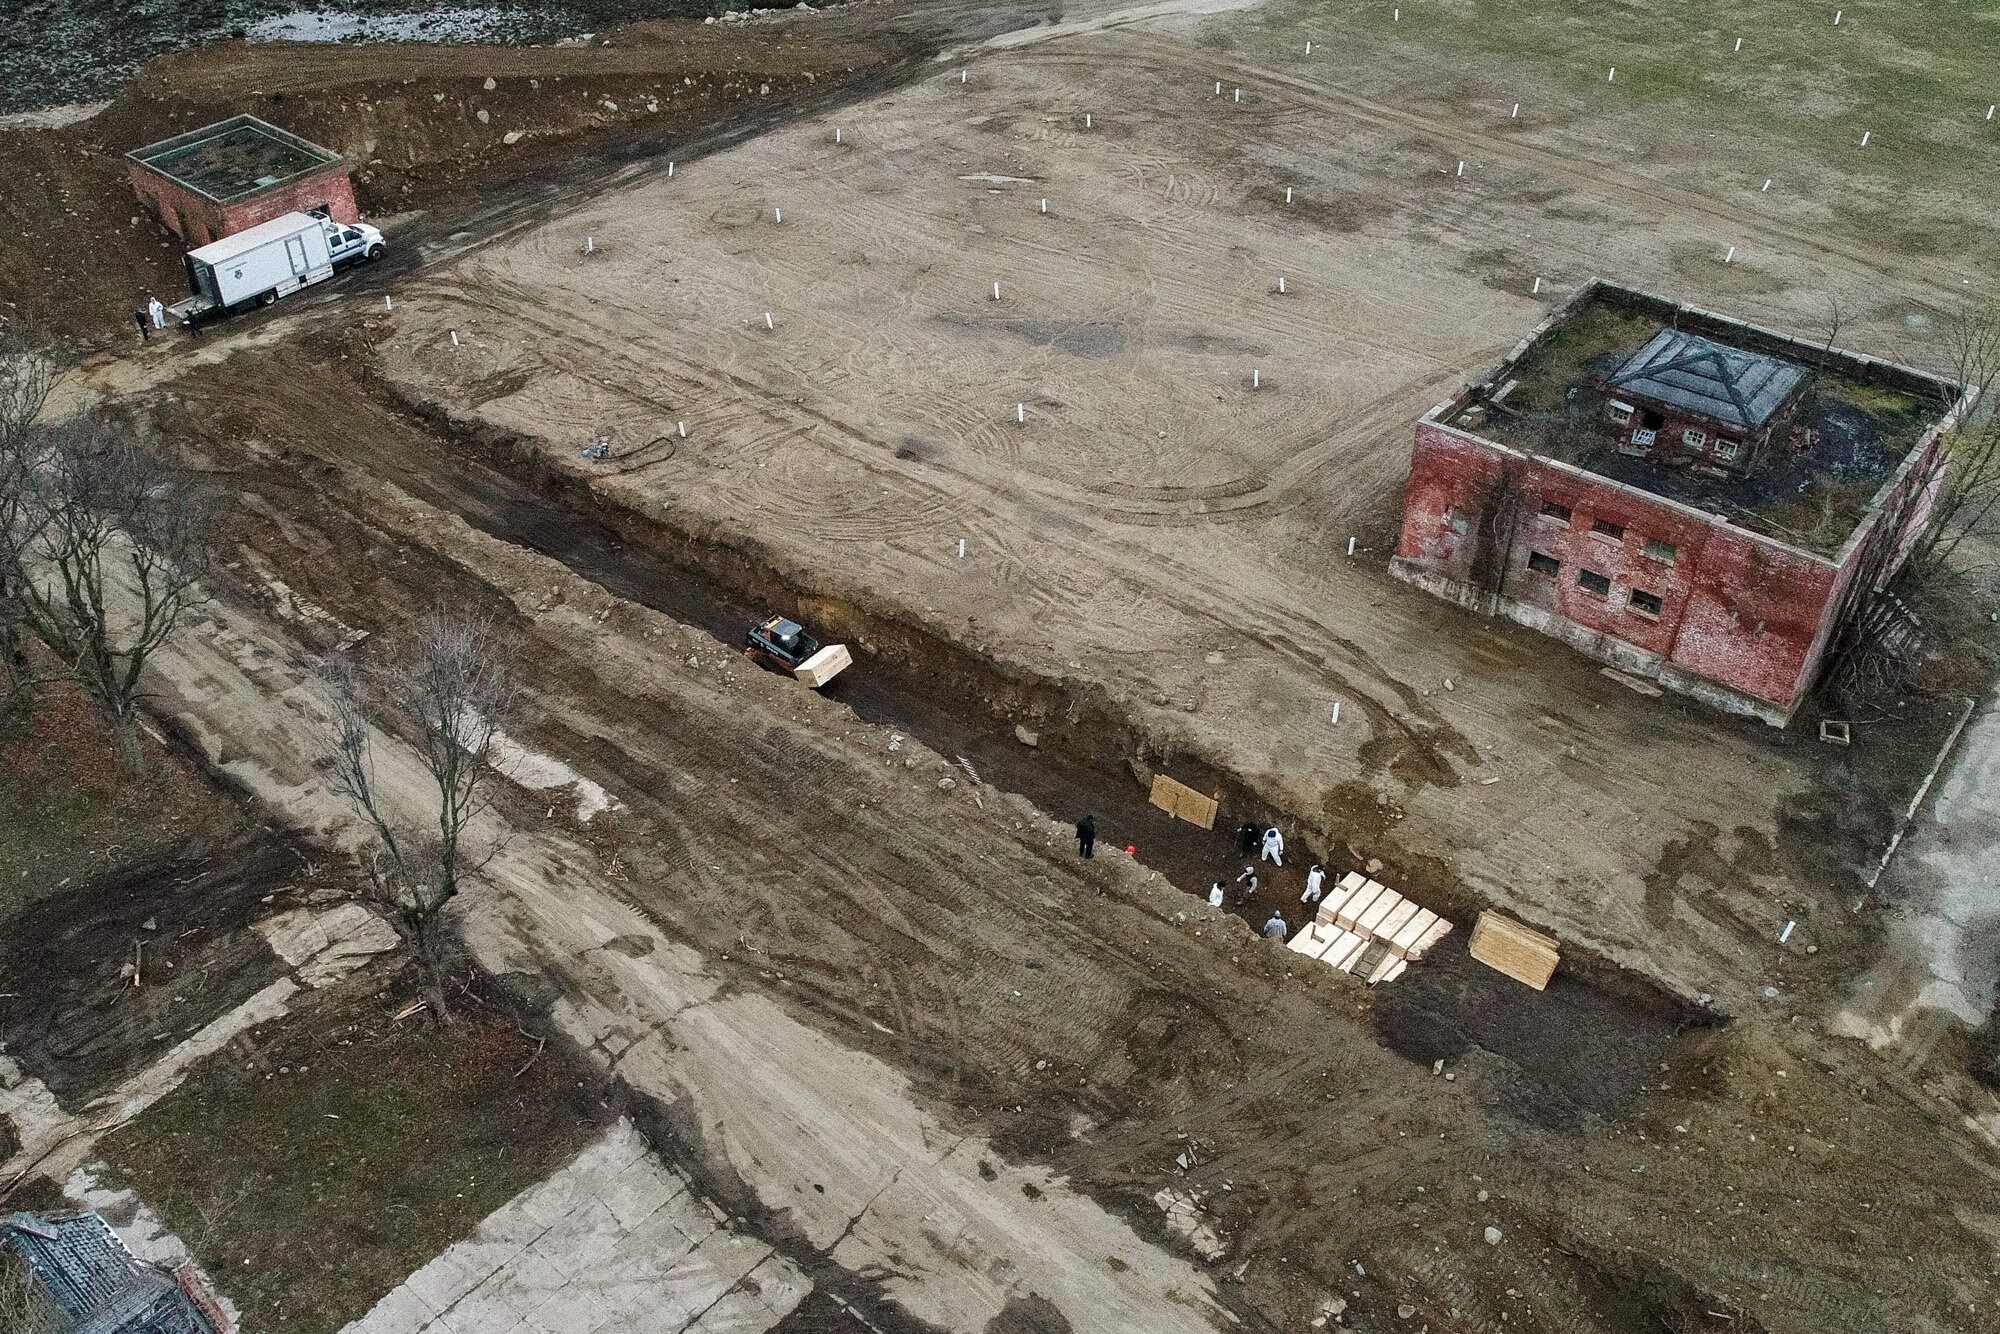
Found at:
(1593, 582)
(1662, 552)
(1726, 449)
(1543, 563)
(1694, 439)
(1646, 604)
(1551, 510)
(1606, 528)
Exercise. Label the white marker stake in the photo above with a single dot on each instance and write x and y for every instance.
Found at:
(961, 76)
(767, 321)
(1309, 48)
(1045, 206)
(1239, 94)
(1515, 113)
(1336, 712)
(670, 169)
(836, 136)
(1396, 16)
(1218, 87)
(961, 548)
(1288, 194)
(1281, 287)
(1990, 111)
(1020, 412)
(1537, 289)
(778, 214)
(1256, 379)
(1786, 934)
(996, 291)
(1767, 185)
(454, 338)
(1086, 120)
(1612, 77)
(1864, 137)
(1461, 166)
(388, 302)
(1836, 16)
(1739, 43)
(1350, 546)
(684, 429)
(1730, 257)
(589, 245)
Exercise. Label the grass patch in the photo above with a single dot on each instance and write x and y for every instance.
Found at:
(314, 1171)
(73, 815)
(1917, 77)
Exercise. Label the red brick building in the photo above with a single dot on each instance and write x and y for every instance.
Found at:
(218, 180)
(1724, 577)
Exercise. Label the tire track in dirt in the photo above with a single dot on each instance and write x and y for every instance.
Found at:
(1646, 196)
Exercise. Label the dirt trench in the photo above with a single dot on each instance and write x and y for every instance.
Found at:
(1574, 1052)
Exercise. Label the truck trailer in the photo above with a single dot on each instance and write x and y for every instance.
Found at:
(270, 260)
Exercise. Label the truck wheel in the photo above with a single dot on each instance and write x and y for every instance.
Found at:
(266, 298)
(375, 251)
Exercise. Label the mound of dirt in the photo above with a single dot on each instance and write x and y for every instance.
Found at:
(430, 127)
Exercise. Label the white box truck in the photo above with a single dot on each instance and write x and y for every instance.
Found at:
(270, 260)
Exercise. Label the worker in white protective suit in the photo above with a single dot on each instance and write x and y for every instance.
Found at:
(1315, 878)
(1274, 846)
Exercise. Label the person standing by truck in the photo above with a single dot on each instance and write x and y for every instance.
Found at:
(156, 311)
(145, 329)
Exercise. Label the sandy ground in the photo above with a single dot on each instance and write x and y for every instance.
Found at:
(1135, 513)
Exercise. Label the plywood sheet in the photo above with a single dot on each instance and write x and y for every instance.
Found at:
(1527, 956)
(1177, 798)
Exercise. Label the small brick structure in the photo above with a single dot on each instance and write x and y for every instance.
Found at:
(1723, 578)
(212, 182)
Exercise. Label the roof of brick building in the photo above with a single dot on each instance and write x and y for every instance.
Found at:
(234, 159)
(1711, 379)
(98, 1285)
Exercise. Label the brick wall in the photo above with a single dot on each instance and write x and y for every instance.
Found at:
(198, 221)
(1737, 611)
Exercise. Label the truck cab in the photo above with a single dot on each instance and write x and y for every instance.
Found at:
(783, 645)
(782, 639)
(350, 241)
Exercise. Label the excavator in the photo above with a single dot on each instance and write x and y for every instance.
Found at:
(783, 645)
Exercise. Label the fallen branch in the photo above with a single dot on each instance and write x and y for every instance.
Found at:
(539, 1044)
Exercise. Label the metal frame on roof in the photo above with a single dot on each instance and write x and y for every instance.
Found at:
(147, 157)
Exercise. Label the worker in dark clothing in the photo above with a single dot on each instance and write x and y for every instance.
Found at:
(1248, 837)
(145, 326)
(1086, 834)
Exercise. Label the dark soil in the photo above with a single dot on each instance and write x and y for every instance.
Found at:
(74, 1018)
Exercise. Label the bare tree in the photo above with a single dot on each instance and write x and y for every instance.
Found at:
(1967, 503)
(449, 690)
(117, 545)
(29, 373)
